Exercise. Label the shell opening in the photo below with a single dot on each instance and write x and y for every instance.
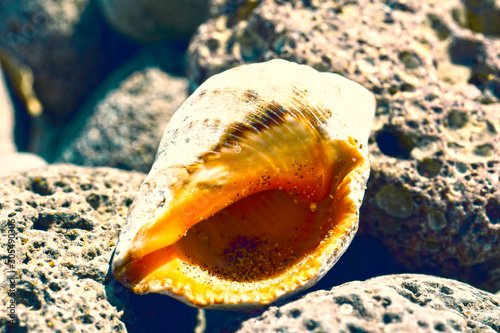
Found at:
(257, 237)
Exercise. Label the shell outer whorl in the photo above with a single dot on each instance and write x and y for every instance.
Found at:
(240, 98)
(223, 115)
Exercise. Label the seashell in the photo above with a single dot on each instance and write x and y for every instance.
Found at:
(255, 190)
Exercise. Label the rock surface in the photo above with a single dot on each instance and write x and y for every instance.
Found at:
(392, 303)
(433, 195)
(67, 220)
(153, 20)
(124, 120)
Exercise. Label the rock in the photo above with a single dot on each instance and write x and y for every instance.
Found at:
(415, 37)
(153, 20)
(392, 303)
(7, 144)
(16, 162)
(65, 43)
(66, 220)
(124, 120)
(433, 194)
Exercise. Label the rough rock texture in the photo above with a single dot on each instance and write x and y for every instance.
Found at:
(124, 121)
(433, 195)
(152, 20)
(67, 220)
(64, 44)
(7, 144)
(393, 303)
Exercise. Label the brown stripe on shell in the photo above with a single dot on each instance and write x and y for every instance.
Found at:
(274, 115)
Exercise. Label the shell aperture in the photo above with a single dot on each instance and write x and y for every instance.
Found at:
(255, 190)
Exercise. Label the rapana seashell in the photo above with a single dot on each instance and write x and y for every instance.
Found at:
(255, 190)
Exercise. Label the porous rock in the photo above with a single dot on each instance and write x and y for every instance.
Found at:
(122, 124)
(153, 20)
(66, 221)
(392, 303)
(63, 43)
(433, 194)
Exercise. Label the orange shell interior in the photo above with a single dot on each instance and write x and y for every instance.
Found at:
(253, 223)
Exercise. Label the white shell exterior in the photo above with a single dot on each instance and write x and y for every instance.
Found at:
(200, 123)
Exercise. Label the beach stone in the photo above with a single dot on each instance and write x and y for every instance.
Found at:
(66, 220)
(66, 45)
(434, 149)
(7, 144)
(123, 122)
(392, 303)
(153, 20)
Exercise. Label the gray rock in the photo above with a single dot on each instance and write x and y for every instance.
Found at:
(392, 303)
(16, 162)
(124, 120)
(63, 43)
(433, 194)
(66, 221)
(7, 144)
(153, 20)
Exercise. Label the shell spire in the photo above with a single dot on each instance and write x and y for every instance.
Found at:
(255, 190)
